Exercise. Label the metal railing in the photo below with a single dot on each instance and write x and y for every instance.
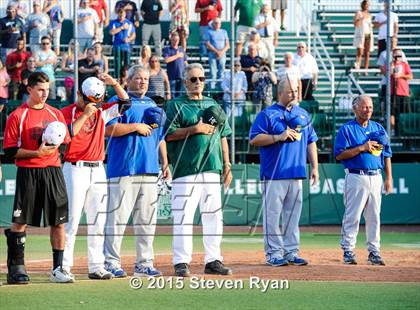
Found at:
(351, 80)
(352, 5)
(329, 68)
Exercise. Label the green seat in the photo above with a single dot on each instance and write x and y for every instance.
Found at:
(320, 124)
(311, 106)
(410, 124)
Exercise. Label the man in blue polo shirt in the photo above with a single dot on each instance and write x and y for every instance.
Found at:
(123, 35)
(175, 59)
(286, 137)
(362, 146)
(133, 167)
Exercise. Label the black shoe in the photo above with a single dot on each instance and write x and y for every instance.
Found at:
(182, 270)
(217, 267)
(375, 259)
(17, 275)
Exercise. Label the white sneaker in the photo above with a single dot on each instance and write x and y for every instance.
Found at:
(60, 275)
(100, 274)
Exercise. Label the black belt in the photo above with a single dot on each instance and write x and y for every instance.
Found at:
(87, 164)
(365, 172)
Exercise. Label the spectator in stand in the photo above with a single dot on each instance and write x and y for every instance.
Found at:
(151, 11)
(101, 8)
(55, 12)
(380, 22)
(263, 81)
(131, 11)
(250, 63)
(87, 66)
(23, 93)
(145, 54)
(124, 77)
(159, 87)
(291, 72)
(99, 58)
(176, 60)
(282, 6)
(217, 44)
(67, 61)
(209, 10)
(123, 34)
(240, 87)
(21, 8)
(255, 38)
(46, 60)
(248, 11)
(363, 35)
(268, 29)
(382, 67)
(400, 90)
(4, 86)
(87, 24)
(179, 20)
(11, 28)
(38, 26)
(308, 69)
(15, 64)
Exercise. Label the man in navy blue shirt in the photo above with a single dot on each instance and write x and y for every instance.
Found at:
(362, 146)
(285, 136)
(11, 28)
(175, 59)
(250, 63)
(123, 35)
(133, 167)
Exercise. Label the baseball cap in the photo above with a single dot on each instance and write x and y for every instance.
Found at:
(214, 115)
(36, 2)
(54, 133)
(155, 117)
(94, 89)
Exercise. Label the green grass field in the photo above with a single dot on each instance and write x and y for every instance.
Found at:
(300, 295)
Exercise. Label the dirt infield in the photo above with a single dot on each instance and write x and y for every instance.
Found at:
(324, 265)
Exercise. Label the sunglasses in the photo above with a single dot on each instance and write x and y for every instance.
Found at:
(300, 47)
(194, 79)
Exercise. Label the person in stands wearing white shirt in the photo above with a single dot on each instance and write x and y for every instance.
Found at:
(87, 24)
(240, 87)
(308, 69)
(290, 71)
(268, 29)
(380, 22)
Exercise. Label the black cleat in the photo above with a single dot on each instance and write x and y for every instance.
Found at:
(217, 267)
(182, 270)
(375, 259)
(17, 275)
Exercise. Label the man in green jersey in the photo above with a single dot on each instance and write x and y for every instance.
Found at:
(199, 154)
(248, 11)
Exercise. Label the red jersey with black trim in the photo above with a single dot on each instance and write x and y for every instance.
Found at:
(89, 143)
(12, 59)
(24, 129)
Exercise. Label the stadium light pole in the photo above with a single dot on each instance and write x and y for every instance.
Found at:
(76, 51)
(388, 69)
(232, 60)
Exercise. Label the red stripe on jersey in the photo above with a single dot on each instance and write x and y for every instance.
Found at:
(24, 129)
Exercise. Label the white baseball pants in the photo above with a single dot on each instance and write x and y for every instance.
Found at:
(361, 193)
(188, 192)
(136, 195)
(281, 197)
(87, 190)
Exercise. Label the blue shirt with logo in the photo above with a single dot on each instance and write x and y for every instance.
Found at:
(283, 160)
(353, 134)
(118, 38)
(134, 154)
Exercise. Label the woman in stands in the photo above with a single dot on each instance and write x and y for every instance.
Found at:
(67, 65)
(145, 54)
(179, 20)
(363, 35)
(99, 58)
(159, 87)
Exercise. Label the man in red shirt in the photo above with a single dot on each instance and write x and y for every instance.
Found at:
(100, 6)
(84, 171)
(15, 64)
(40, 189)
(209, 10)
(400, 90)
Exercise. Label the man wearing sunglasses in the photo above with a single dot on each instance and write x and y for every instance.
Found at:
(199, 155)
(285, 136)
(45, 60)
(308, 69)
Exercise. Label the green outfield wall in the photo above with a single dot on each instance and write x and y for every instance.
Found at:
(242, 203)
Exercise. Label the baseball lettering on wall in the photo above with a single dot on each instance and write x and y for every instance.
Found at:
(331, 186)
